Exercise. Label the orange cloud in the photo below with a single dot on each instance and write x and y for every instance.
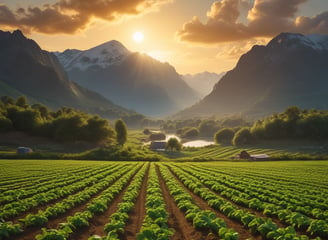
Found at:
(266, 18)
(70, 16)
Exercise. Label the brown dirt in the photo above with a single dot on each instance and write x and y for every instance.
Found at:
(242, 232)
(98, 222)
(251, 210)
(184, 230)
(30, 233)
(43, 207)
(138, 213)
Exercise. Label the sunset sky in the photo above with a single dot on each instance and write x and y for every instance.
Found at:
(192, 35)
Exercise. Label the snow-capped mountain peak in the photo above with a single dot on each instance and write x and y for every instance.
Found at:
(104, 55)
(295, 40)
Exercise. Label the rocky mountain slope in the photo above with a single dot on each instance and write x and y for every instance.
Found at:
(26, 69)
(133, 80)
(291, 70)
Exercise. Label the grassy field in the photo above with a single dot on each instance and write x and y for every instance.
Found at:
(62, 199)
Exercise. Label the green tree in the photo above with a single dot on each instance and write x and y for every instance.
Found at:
(242, 137)
(44, 111)
(22, 102)
(97, 130)
(190, 133)
(7, 100)
(24, 119)
(207, 128)
(5, 124)
(121, 132)
(68, 128)
(224, 136)
(173, 144)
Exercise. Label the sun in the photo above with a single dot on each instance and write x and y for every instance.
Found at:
(138, 37)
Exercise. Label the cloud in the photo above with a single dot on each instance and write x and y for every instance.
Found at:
(70, 16)
(265, 18)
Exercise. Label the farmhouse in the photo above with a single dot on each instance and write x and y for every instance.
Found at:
(158, 145)
(254, 157)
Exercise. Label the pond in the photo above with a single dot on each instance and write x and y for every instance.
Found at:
(198, 143)
(193, 143)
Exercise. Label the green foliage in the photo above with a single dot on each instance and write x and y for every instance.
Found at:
(173, 144)
(121, 132)
(190, 133)
(293, 123)
(35, 220)
(8, 229)
(5, 124)
(65, 125)
(22, 102)
(208, 127)
(242, 137)
(224, 136)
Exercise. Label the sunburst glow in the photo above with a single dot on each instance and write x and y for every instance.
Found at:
(138, 37)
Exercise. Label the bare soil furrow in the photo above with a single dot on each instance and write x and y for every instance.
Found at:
(242, 232)
(184, 230)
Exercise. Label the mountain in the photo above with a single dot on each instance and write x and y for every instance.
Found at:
(133, 80)
(202, 83)
(291, 70)
(26, 69)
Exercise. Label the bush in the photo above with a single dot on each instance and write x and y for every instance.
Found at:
(173, 144)
(121, 132)
(243, 137)
(190, 133)
(224, 136)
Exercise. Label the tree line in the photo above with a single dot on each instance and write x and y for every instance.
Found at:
(63, 125)
(293, 123)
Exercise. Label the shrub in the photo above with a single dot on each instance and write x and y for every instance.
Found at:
(224, 136)
(242, 137)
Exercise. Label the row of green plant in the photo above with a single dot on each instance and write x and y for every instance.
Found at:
(310, 204)
(23, 178)
(41, 218)
(201, 219)
(18, 207)
(257, 225)
(118, 220)
(46, 184)
(155, 223)
(96, 206)
(254, 201)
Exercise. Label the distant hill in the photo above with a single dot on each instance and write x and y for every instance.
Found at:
(133, 80)
(291, 70)
(26, 69)
(203, 82)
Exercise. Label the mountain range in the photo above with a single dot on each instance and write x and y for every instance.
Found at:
(130, 79)
(291, 70)
(26, 69)
(203, 82)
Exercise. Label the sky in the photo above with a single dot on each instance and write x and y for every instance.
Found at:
(192, 35)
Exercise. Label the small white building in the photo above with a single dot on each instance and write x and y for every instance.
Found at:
(158, 145)
(259, 157)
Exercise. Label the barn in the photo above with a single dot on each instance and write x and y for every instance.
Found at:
(158, 145)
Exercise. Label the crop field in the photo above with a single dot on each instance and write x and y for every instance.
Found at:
(84, 200)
